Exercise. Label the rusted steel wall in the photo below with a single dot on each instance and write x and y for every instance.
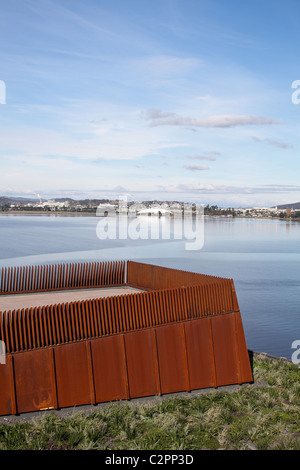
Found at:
(38, 327)
(151, 277)
(170, 338)
(199, 353)
(61, 276)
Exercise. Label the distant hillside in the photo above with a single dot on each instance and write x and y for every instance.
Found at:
(14, 200)
(21, 201)
(294, 205)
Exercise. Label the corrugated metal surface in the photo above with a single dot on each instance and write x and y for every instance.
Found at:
(161, 341)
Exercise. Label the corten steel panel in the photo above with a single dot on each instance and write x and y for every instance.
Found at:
(6, 388)
(109, 368)
(171, 358)
(73, 374)
(96, 371)
(34, 389)
(225, 349)
(158, 277)
(141, 363)
(245, 366)
(200, 353)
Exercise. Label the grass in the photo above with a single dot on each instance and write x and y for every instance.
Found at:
(263, 416)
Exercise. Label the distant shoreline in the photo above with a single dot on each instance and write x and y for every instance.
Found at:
(93, 214)
(64, 214)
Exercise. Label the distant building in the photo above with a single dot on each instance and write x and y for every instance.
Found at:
(156, 211)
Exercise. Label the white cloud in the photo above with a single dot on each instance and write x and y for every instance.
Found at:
(224, 121)
(211, 158)
(195, 167)
(276, 143)
(156, 113)
(224, 189)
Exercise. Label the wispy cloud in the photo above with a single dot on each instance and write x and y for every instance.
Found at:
(224, 189)
(194, 167)
(165, 65)
(210, 158)
(156, 113)
(160, 118)
(276, 143)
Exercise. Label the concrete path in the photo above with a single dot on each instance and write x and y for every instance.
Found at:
(19, 301)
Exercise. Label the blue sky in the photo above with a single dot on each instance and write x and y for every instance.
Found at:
(187, 100)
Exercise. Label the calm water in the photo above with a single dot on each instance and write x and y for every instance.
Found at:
(262, 257)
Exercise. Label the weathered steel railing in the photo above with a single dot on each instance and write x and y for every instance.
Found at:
(151, 277)
(25, 279)
(36, 327)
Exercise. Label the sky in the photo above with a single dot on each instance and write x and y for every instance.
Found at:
(176, 100)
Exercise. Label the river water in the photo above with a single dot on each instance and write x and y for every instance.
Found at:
(262, 256)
